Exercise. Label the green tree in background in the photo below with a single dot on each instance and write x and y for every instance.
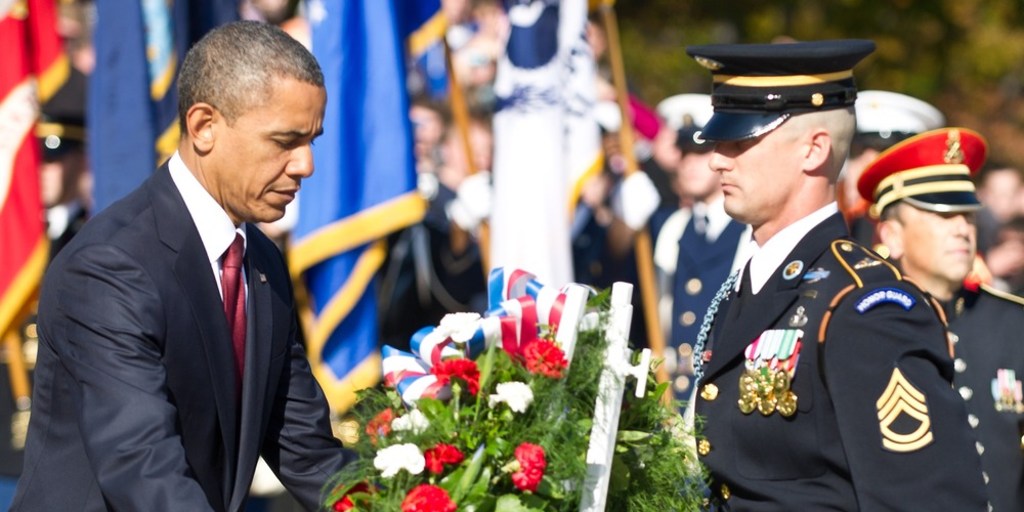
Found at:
(964, 56)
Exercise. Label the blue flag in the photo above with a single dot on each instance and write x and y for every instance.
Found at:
(363, 188)
(133, 101)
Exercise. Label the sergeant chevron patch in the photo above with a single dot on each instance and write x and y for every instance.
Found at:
(903, 416)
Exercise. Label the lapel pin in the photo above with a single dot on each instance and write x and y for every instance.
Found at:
(799, 319)
(263, 277)
(792, 269)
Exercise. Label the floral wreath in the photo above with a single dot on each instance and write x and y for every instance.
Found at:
(520, 410)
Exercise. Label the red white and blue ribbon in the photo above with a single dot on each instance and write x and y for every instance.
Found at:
(519, 306)
(411, 376)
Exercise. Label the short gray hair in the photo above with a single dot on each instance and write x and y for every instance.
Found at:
(234, 66)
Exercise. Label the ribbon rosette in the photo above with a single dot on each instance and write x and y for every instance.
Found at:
(519, 306)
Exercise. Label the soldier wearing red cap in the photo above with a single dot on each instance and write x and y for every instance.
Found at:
(823, 377)
(921, 190)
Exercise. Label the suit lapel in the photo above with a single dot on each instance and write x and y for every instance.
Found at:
(761, 311)
(200, 289)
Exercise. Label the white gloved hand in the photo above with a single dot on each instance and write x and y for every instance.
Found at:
(636, 200)
(427, 184)
(472, 203)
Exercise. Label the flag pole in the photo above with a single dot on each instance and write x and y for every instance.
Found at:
(642, 241)
(460, 113)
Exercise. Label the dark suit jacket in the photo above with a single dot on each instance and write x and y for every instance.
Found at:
(862, 437)
(134, 405)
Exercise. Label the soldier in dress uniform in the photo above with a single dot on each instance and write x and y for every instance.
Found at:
(922, 191)
(826, 381)
(884, 118)
(697, 244)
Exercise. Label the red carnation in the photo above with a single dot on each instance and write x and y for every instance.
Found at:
(544, 357)
(531, 467)
(440, 455)
(428, 498)
(462, 369)
(345, 503)
(380, 425)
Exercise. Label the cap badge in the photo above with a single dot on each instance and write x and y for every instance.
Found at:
(709, 64)
(953, 155)
(817, 99)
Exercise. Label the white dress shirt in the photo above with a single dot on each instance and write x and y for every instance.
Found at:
(768, 258)
(215, 227)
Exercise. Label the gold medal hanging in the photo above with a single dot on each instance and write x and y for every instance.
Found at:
(765, 385)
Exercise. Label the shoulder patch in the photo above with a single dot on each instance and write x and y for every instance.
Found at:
(1016, 299)
(885, 295)
(863, 264)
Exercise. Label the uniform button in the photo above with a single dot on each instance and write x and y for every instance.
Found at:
(709, 392)
(846, 247)
(966, 392)
(981, 449)
(688, 318)
(681, 383)
(725, 492)
(685, 351)
(693, 286)
(973, 420)
(953, 337)
(704, 447)
(959, 365)
(985, 476)
(1022, 442)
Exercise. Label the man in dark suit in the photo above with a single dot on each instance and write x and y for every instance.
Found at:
(923, 194)
(825, 384)
(156, 388)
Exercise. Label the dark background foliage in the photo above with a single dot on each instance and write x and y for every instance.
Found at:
(964, 56)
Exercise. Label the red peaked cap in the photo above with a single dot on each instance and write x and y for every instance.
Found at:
(931, 171)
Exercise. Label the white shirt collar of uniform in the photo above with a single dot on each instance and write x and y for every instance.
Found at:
(718, 220)
(215, 227)
(767, 259)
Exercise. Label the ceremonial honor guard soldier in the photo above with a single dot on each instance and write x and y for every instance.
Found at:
(921, 190)
(825, 383)
(884, 118)
(697, 245)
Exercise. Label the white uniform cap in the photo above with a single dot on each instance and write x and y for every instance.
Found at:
(885, 113)
(675, 109)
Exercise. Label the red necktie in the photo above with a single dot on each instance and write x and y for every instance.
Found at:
(234, 303)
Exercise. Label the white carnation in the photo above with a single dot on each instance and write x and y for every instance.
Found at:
(392, 459)
(414, 422)
(460, 327)
(517, 395)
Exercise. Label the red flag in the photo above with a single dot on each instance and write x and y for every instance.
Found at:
(32, 69)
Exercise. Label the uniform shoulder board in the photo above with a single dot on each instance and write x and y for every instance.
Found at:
(1016, 299)
(863, 264)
